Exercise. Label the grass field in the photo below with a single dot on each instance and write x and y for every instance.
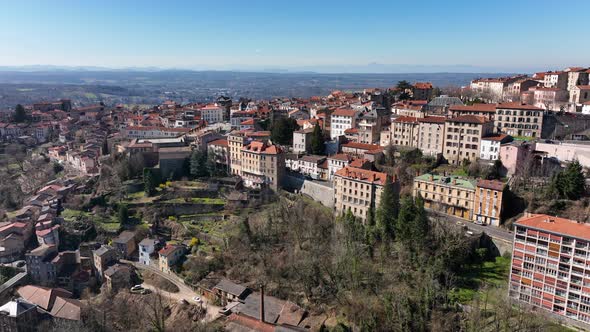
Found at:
(108, 224)
(492, 273)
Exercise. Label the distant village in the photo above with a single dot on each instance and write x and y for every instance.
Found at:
(336, 150)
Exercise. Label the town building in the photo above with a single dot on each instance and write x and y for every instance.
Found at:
(487, 208)
(487, 111)
(147, 247)
(358, 150)
(490, 146)
(263, 165)
(125, 244)
(516, 156)
(422, 90)
(212, 113)
(218, 150)
(358, 190)
(18, 315)
(302, 140)
(463, 137)
(152, 132)
(337, 162)
(103, 257)
(519, 119)
(404, 131)
(431, 135)
(549, 258)
(342, 119)
(169, 256)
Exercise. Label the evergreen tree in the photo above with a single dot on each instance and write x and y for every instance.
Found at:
(198, 164)
(19, 114)
(123, 214)
(317, 140)
(573, 181)
(387, 211)
(149, 181)
(405, 220)
(282, 130)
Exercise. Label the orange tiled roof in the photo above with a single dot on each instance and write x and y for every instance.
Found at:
(556, 225)
(362, 175)
(344, 112)
(469, 119)
(474, 108)
(518, 106)
(491, 184)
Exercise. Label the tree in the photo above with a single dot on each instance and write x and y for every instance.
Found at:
(570, 183)
(123, 214)
(198, 164)
(19, 114)
(282, 130)
(149, 181)
(404, 85)
(387, 211)
(412, 223)
(317, 140)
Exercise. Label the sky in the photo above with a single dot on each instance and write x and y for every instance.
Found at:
(319, 35)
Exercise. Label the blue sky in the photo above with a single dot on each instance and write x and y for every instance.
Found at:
(301, 34)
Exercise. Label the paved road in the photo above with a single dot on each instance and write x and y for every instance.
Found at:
(185, 292)
(495, 232)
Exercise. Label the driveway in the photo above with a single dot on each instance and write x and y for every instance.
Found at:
(185, 292)
(492, 231)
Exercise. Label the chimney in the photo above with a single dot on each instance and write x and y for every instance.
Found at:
(262, 303)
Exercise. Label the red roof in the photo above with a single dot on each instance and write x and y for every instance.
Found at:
(351, 131)
(496, 137)
(491, 108)
(341, 157)
(362, 175)
(168, 249)
(361, 146)
(248, 122)
(406, 119)
(584, 87)
(262, 147)
(344, 112)
(433, 119)
(556, 225)
(423, 85)
(219, 142)
(518, 106)
(179, 130)
(469, 119)
(491, 184)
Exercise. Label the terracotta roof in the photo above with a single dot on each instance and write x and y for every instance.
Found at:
(423, 85)
(491, 184)
(218, 142)
(496, 137)
(361, 146)
(474, 108)
(433, 119)
(556, 225)
(42, 296)
(351, 131)
(247, 122)
(66, 308)
(583, 87)
(362, 175)
(168, 249)
(469, 119)
(518, 106)
(146, 128)
(344, 112)
(406, 119)
(262, 147)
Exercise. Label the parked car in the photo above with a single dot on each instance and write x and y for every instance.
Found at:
(138, 289)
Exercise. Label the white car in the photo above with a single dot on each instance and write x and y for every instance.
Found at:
(197, 299)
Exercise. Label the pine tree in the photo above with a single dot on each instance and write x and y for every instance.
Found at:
(19, 114)
(317, 140)
(123, 214)
(387, 211)
(149, 182)
(198, 164)
(573, 186)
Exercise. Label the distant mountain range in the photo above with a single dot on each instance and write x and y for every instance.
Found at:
(372, 68)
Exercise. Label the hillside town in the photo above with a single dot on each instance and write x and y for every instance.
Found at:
(107, 207)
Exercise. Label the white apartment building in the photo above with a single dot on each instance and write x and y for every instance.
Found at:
(212, 113)
(490, 146)
(342, 119)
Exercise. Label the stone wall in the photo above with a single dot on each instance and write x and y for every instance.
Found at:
(322, 192)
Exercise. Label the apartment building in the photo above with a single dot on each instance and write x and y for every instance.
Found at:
(358, 150)
(235, 143)
(302, 140)
(580, 94)
(262, 165)
(431, 135)
(477, 200)
(337, 162)
(358, 190)
(487, 208)
(519, 119)
(490, 146)
(212, 113)
(463, 137)
(556, 79)
(447, 194)
(550, 268)
(422, 90)
(487, 111)
(152, 132)
(404, 131)
(577, 76)
(547, 98)
(492, 89)
(514, 89)
(342, 119)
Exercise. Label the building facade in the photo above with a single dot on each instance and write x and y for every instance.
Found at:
(342, 119)
(519, 119)
(263, 165)
(463, 137)
(358, 190)
(549, 265)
